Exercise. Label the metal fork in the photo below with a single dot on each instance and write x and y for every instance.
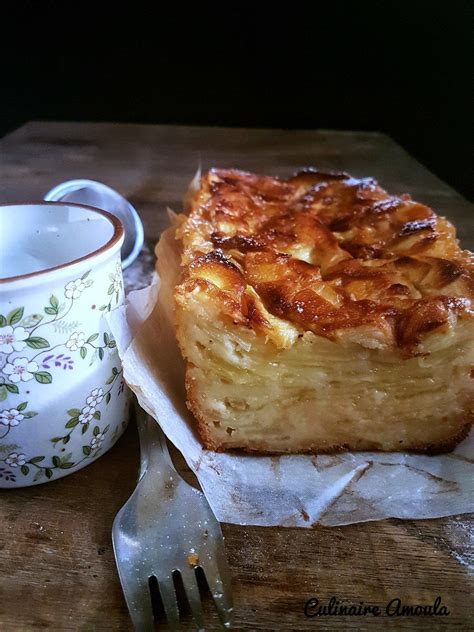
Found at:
(167, 527)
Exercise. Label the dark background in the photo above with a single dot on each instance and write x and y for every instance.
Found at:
(404, 68)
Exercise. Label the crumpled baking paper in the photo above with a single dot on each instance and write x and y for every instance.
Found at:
(293, 490)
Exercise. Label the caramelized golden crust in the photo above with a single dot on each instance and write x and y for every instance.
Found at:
(326, 253)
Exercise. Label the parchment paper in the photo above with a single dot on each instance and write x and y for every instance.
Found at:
(295, 490)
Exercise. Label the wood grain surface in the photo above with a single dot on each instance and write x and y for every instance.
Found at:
(57, 569)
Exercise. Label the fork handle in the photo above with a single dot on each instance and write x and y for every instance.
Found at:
(153, 449)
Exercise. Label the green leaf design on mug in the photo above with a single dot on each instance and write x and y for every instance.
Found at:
(31, 321)
(15, 316)
(66, 327)
(53, 308)
(43, 377)
(36, 459)
(36, 342)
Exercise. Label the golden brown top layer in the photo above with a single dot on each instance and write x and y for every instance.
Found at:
(326, 253)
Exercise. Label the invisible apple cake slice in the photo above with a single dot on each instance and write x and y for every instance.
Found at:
(319, 313)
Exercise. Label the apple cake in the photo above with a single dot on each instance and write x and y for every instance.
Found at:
(319, 313)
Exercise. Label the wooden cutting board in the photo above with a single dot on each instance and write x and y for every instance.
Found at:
(57, 569)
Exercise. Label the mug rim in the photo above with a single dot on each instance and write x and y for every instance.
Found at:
(115, 239)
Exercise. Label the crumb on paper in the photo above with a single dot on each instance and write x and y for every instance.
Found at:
(193, 559)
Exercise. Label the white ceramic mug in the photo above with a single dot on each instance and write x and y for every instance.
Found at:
(63, 401)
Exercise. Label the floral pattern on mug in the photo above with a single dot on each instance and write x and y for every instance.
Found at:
(19, 334)
(97, 440)
(11, 417)
(12, 339)
(76, 340)
(74, 288)
(115, 288)
(96, 396)
(14, 459)
(20, 369)
(33, 347)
